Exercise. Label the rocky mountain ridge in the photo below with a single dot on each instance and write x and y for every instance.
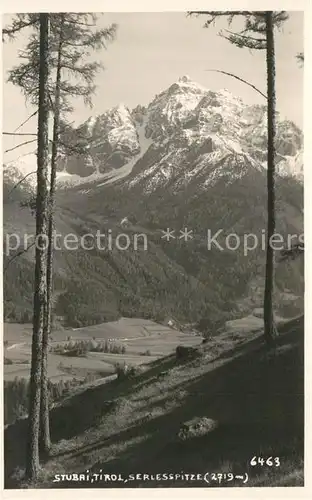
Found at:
(216, 127)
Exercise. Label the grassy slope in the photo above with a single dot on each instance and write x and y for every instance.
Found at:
(132, 426)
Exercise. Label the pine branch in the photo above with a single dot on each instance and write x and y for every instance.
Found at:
(20, 182)
(20, 145)
(240, 79)
(217, 13)
(246, 37)
(24, 122)
(80, 33)
(244, 43)
(255, 24)
(69, 147)
(21, 156)
(17, 133)
(87, 25)
(16, 27)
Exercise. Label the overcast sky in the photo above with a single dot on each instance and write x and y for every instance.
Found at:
(152, 50)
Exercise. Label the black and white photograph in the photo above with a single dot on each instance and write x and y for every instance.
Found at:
(153, 248)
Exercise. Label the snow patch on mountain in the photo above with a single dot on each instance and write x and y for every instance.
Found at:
(124, 129)
(144, 143)
(292, 166)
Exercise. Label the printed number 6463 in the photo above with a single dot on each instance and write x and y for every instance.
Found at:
(270, 461)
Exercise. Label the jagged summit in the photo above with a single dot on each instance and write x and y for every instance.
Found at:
(186, 82)
(122, 110)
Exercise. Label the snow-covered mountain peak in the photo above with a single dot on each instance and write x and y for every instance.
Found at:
(183, 85)
(187, 84)
(170, 108)
(184, 130)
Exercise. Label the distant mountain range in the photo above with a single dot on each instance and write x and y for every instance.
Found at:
(217, 125)
(192, 159)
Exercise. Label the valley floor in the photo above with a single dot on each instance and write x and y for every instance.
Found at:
(131, 426)
(144, 341)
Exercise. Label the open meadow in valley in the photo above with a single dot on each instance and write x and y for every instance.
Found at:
(144, 341)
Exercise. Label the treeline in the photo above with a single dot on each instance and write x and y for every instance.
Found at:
(16, 395)
(82, 347)
(148, 290)
(18, 290)
(14, 314)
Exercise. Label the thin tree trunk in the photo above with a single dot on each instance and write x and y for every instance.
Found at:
(269, 326)
(32, 452)
(44, 413)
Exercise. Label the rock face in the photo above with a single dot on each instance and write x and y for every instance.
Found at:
(111, 141)
(196, 427)
(206, 340)
(128, 371)
(171, 108)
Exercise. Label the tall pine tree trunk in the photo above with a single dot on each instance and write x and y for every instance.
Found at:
(44, 412)
(32, 452)
(269, 326)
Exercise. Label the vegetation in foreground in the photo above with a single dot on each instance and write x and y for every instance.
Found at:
(133, 424)
(16, 394)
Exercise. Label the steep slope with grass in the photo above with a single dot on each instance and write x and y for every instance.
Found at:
(132, 426)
